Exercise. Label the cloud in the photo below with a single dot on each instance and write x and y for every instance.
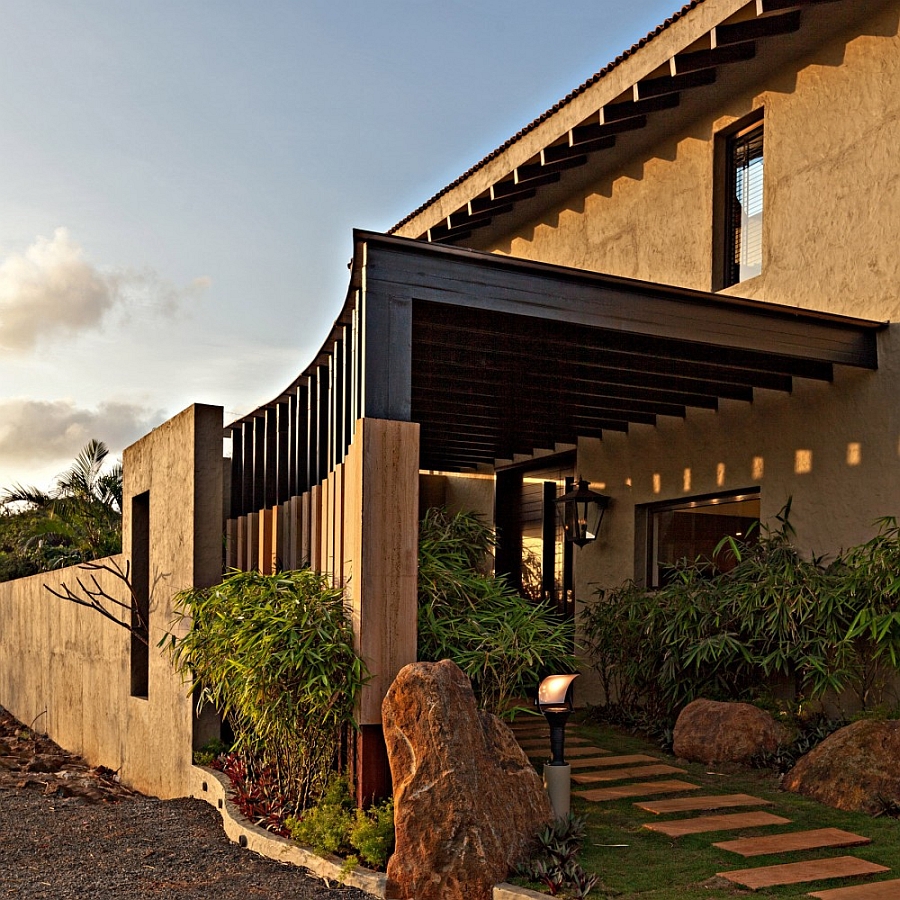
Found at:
(51, 290)
(39, 432)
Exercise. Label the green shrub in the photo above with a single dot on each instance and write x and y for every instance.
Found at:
(326, 826)
(275, 654)
(333, 826)
(775, 614)
(504, 642)
(372, 833)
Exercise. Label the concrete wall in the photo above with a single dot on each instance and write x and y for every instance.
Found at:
(68, 670)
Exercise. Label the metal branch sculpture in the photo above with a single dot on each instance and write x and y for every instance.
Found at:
(95, 597)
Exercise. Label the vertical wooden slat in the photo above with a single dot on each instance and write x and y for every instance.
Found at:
(270, 489)
(231, 544)
(252, 542)
(312, 434)
(315, 527)
(305, 529)
(301, 447)
(241, 561)
(247, 479)
(337, 514)
(283, 463)
(237, 472)
(259, 464)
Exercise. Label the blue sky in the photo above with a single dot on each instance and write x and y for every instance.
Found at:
(180, 181)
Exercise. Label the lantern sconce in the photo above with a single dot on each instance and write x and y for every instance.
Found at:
(581, 512)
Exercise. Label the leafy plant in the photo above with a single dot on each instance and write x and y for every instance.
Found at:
(372, 833)
(326, 826)
(774, 614)
(333, 826)
(275, 654)
(555, 861)
(501, 640)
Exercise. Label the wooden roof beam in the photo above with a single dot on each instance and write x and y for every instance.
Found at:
(492, 204)
(769, 6)
(657, 87)
(529, 173)
(594, 131)
(631, 109)
(753, 29)
(559, 152)
(710, 59)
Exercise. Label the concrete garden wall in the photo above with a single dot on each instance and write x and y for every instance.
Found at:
(68, 670)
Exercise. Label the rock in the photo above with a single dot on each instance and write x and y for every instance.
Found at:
(708, 731)
(856, 768)
(467, 803)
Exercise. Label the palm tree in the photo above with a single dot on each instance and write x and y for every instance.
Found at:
(80, 518)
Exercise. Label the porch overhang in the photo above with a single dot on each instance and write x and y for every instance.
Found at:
(496, 356)
(506, 356)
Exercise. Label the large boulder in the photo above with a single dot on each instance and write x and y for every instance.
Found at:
(467, 803)
(708, 731)
(857, 768)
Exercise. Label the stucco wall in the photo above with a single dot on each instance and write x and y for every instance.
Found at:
(832, 189)
(67, 669)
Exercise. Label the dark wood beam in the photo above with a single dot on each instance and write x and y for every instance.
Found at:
(489, 204)
(582, 134)
(632, 109)
(753, 29)
(657, 87)
(768, 6)
(510, 189)
(710, 59)
(564, 151)
(526, 174)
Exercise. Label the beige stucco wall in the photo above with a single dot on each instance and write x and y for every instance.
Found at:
(832, 208)
(67, 669)
(832, 189)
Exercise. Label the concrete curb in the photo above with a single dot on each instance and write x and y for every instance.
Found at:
(214, 788)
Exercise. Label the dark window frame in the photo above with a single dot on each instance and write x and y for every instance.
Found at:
(736, 148)
(649, 511)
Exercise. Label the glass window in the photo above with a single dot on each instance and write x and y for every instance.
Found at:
(692, 529)
(744, 205)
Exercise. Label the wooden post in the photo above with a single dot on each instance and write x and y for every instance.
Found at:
(380, 538)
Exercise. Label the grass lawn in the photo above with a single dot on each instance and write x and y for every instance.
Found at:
(656, 867)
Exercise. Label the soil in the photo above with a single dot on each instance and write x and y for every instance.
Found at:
(70, 830)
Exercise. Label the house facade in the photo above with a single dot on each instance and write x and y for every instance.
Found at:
(677, 284)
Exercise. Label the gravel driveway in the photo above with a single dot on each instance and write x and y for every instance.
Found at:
(71, 832)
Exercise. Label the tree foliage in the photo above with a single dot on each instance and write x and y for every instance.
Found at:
(78, 520)
(504, 642)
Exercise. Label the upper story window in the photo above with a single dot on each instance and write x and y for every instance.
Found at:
(743, 204)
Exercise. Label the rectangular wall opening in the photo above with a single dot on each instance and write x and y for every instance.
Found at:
(140, 605)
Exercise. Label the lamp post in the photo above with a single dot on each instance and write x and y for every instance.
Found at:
(555, 702)
(581, 512)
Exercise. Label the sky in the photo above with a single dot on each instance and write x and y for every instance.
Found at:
(179, 181)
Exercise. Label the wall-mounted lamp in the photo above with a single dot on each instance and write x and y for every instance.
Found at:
(555, 702)
(581, 512)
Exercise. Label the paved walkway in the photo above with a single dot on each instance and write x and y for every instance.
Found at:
(642, 776)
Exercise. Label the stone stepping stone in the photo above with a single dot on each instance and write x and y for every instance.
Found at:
(612, 760)
(877, 890)
(810, 870)
(703, 824)
(637, 789)
(794, 840)
(696, 804)
(621, 774)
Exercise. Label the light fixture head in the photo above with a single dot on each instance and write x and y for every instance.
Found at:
(555, 693)
(581, 512)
